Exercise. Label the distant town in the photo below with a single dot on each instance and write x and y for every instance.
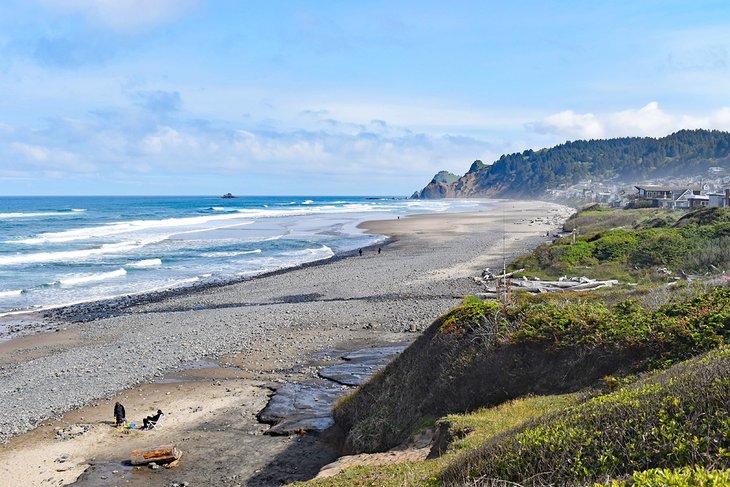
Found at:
(709, 189)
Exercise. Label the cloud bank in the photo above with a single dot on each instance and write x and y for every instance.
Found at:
(136, 143)
(649, 120)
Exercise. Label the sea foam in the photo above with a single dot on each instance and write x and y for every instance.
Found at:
(234, 253)
(72, 255)
(145, 263)
(121, 228)
(11, 294)
(83, 279)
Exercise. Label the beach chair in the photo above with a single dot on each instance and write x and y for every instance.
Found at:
(155, 424)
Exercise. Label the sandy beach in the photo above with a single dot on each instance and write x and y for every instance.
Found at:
(210, 358)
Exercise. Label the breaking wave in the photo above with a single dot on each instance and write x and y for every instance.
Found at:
(145, 263)
(11, 294)
(66, 255)
(83, 279)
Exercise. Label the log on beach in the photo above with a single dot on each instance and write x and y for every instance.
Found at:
(553, 286)
(159, 454)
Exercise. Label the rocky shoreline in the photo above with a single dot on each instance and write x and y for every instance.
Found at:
(267, 325)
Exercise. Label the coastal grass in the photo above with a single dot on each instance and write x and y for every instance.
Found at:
(474, 428)
(468, 431)
(672, 419)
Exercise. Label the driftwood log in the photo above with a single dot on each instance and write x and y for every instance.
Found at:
(160, 454)
(537, 286)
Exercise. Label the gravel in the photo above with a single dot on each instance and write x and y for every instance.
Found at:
(122, 347)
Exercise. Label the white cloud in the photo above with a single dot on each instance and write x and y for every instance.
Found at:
(30, 151)
(570, 124)
(167, 139)
(720, 119)
(648, 121)
(32, 157)
(124, 14)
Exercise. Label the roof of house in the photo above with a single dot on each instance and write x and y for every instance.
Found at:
(655, 188)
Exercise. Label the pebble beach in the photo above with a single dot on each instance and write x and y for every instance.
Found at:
(261, 329)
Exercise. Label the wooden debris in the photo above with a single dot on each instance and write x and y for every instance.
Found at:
(535, 285)
(159, 454)
(174, 463)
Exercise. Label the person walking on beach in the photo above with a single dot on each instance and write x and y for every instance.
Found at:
(360, 251)
(151, 421)
(379, 250)
(119, 414)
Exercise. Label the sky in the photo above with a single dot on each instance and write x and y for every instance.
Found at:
(165, 97)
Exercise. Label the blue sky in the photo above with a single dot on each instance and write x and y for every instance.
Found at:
(332, 97)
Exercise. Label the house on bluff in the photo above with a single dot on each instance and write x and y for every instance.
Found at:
(666, 197)
(720, 200)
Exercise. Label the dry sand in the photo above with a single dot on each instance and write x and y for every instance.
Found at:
(260, 332)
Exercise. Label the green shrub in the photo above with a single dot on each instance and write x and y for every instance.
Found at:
(672, 332)
(580, 253)
(674, 419)
(709, 255)
(616, 245)
(627, 239)
(470, 313)
(659, 248)
(676, 477)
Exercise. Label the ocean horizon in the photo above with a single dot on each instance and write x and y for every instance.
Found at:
(61, 250)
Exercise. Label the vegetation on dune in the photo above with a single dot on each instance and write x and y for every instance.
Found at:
(698, 242)
(472, 312)
(482, 353)
(675, 418)
(674, 477)
(471, 430)
(672, 332)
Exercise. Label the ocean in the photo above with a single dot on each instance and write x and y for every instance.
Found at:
(56, 251)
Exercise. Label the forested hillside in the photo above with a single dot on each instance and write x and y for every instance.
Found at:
(531, 172)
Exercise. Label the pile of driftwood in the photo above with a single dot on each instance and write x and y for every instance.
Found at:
(498, 284)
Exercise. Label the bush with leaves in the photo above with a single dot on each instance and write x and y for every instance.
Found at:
(674, 419)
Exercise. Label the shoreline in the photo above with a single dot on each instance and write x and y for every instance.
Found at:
(104, 308)
(264, 328)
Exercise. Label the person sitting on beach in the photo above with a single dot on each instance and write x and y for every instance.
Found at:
(151, 421)
(119, 414)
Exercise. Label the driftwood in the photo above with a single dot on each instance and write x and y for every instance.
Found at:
(174, 463)
(159, 454)
(537, 286)
(487, 274)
